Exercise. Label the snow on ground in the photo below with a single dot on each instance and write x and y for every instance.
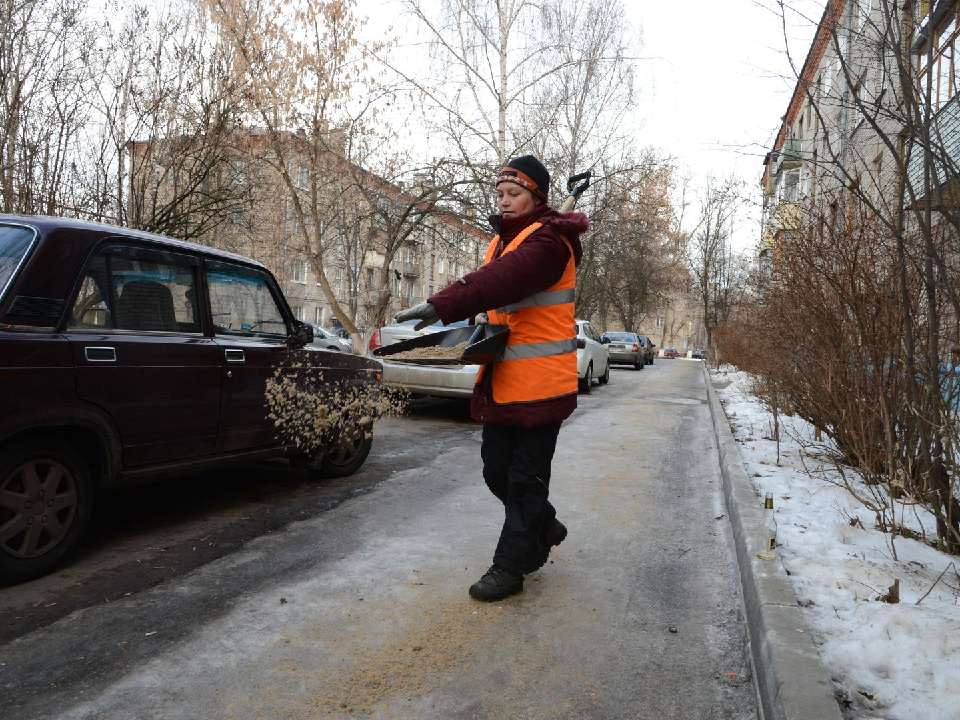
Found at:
(891, 661)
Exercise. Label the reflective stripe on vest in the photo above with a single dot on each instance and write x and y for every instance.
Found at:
(540, 359)
(536, 350)
(542, 299)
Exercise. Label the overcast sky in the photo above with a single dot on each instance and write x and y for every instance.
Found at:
(715, 81)
(719, 79)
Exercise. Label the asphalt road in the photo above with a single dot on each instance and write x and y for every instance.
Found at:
(262, 593)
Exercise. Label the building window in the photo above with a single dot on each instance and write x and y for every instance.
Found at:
(441, 265)
(791, 181)
(659, 323)
(863, 12)
(300, 272)
(299, 312)
(319, 320)
(941, 73)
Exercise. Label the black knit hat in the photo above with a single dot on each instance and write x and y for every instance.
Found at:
(528, 172)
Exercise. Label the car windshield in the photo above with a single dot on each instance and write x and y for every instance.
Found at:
(14, 244)
(620, 337)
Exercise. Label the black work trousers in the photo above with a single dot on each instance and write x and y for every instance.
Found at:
(516, 468)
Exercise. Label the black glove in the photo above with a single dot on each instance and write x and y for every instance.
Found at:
(424, 312)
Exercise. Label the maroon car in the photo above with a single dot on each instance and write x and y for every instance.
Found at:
(125, 357)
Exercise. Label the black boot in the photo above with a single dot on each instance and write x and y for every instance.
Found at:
(555, 534)
(496, 584)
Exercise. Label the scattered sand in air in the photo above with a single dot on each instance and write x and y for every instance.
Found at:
(308, 408)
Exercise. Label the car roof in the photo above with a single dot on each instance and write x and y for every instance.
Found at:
(46, 225)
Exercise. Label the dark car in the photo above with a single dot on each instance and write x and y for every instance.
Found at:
(125, 357)
(626, 349)
(649, 349)
(699, 354)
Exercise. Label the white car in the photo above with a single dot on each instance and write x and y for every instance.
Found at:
(323, 338)
(453, 381)
(593, 356)
(457, 380)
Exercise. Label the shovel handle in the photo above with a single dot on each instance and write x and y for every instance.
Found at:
(575, 190)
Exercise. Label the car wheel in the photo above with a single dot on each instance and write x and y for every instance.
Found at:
(345, 454)
(650, 361)
(586, 382)
(638, 365)
(46, 499)
(605, 378)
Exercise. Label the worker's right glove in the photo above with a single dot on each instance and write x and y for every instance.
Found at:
(424, 312)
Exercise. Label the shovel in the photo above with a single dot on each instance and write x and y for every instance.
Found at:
(576, 184)
(484, 345)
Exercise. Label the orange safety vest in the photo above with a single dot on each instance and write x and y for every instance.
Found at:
(540, 359)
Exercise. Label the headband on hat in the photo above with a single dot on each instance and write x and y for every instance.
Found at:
(509, 174)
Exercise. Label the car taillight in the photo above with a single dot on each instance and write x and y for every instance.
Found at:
(374, 340)
(636, 348)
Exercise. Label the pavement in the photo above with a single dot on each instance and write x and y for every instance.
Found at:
(791, 683)
(652, 609)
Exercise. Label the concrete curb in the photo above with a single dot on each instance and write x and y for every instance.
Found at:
(790, 680)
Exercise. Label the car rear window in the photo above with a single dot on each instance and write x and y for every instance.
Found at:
(620, 337)
(14, 244)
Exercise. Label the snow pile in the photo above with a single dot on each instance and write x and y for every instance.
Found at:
(887, 659)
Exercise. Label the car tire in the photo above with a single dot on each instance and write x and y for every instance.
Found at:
(586, 382)
(49, 474)
(344, 455)
(605, 378)
(650, 361)
(638, 365)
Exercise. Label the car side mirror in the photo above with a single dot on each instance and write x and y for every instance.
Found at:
(605, 341)
(302, 335)
(581, 343)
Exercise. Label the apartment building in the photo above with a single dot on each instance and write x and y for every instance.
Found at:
(874, 120)
(381, 245)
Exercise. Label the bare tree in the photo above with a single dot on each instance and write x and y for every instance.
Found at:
(630, 259)
(709, 254)
(866, 147)
(42, 101)
(554, 78)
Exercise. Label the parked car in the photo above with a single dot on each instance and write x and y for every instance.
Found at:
(625, 349)
(125, 357)
(323, 338)
(670, 352)
(649, 349)
(592, 355)
(699, 354)
(448, 380)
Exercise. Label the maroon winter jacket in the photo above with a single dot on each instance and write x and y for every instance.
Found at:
(535, 265)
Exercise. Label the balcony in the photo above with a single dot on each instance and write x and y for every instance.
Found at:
(792, 153)
(945, 151)
(411, 269)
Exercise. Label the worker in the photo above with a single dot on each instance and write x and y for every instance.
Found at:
(527, 282)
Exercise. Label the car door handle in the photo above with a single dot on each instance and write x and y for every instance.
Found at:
(234, 356)
(100, 354)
